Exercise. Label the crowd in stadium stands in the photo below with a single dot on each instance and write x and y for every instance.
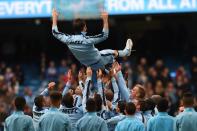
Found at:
(131, 97)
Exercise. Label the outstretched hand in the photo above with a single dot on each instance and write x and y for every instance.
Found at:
(104, 15)
(51, 85)
(54, 16)
(117, 66)
(55, 13)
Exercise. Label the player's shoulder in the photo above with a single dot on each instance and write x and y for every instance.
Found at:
(9, 118)
(27, 117)
(100, 119)
(120, 123)
(152, 119)
(171, 117)
(62, 115)
(180, 115)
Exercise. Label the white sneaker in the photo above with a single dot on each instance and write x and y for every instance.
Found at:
(129, 46)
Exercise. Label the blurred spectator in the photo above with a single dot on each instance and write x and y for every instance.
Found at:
(15, 85)
(28, 97)
(19, 74)
(8, 75)
(149, 89)
(142, 77)
(165, 76)
(152, 75)
(51, 72)
(171, 95)
(43, 65)
(171, 92)
(63, 67)
(159, 89)
(2, 67)
(2, 85)
(194, 72)
(74, 69)
(143, 64)
(181, 71)
(159, 66)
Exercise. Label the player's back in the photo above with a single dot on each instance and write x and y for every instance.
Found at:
(187, 120)
(86, 53)
(82, 46)
(74, 113)
(162, 121)
(54, 120)
(19, 122)
(91, 122)
(37, 115)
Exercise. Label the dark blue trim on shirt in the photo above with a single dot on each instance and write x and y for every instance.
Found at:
(96, 36)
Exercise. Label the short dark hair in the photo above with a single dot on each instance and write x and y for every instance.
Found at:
(20, 103)
(91, 105)
(188, 100)
(98, 101)
(162, 105)
(78, 25)
(150, 104)
(121, 106)
(156, 98)
(39, 101)
(109, 95)
(68, 100)
(142, 104)
(55, 96)
(130, 108)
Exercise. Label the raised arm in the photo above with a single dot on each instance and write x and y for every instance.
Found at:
(87, 87)
(99, 82)
(54, 17)
(100, 86)
(51, 86)
(114, 86)
(104, 35)
(66, 88)
(68, 84)
(121, 82)
(116, 91)
(104, 16)
(60, 36)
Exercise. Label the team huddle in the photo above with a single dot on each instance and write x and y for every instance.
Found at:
(102, 101)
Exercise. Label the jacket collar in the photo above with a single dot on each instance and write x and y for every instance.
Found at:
(189, 109)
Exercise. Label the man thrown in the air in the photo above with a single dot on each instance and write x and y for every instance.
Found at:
(82, 46)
